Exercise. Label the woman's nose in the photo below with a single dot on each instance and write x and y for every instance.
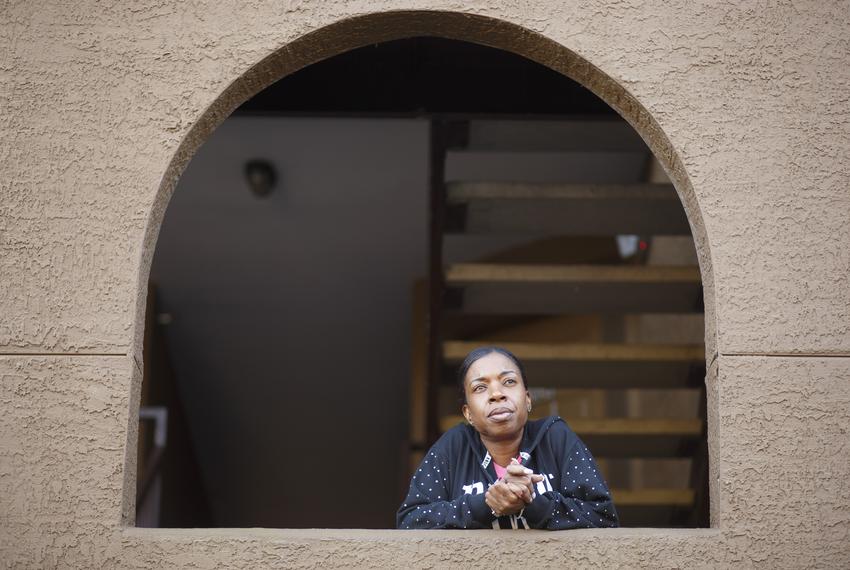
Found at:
(496, 395)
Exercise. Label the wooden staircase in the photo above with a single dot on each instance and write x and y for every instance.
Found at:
(608, 340)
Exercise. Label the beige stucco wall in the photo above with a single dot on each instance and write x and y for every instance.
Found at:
(745, 104)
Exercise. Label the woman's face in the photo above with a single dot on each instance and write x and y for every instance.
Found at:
(496, 399)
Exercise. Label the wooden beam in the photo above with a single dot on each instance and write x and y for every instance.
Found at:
(463, 192)
(457, 351)
(460, 273)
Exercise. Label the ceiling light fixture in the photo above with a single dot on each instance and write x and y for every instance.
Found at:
(261, 177)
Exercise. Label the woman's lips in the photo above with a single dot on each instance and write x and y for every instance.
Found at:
(500, 414)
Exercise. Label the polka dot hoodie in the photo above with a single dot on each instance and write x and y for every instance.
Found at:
(447, 490)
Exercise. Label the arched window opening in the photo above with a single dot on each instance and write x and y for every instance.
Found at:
(348, 234)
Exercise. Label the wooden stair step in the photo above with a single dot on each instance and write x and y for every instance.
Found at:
(456, 351)
(544, 166)
(489, 288)
(604, 374)
(645, 446)
(617, 426)
(653, 497)
(461, 273)
(551, 134)
(464, 192)
(564, 209)
(637, 426)
(554, 298)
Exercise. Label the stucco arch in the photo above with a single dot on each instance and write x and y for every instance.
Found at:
(351, 33)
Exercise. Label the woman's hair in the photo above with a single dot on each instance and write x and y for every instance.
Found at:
(477, 354)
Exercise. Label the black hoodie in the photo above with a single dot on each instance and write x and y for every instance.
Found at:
(447, 490)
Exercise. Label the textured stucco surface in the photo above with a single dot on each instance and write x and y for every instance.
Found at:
(745, 104)
(747, 107)
(782, 466)
(65, 428)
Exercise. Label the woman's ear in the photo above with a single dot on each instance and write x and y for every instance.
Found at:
(465, 411)
(528, 401)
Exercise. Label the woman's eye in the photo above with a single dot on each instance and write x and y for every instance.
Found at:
(478, 388)
(510, 382)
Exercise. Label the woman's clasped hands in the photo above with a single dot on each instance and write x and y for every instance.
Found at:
(510, 494)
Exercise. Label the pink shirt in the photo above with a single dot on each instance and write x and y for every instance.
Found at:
(501, 471)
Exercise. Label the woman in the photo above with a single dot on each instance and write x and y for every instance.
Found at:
(501, 470)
